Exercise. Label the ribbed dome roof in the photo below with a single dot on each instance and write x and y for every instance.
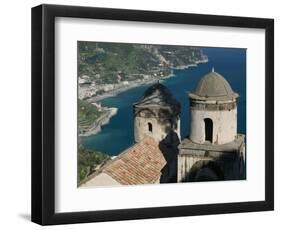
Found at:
(158, 95)
(213, 86)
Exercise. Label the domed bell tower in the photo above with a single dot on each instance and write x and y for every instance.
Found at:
(213, 150)
(213, 111)
(156, 115)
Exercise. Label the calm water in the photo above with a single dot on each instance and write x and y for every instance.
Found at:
(118, 134)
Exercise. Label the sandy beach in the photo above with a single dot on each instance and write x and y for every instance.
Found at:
(115, 92)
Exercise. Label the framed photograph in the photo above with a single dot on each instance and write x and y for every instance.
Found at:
(142, 114)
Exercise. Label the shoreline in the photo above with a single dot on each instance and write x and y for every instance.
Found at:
(103, 120)
(115, 92)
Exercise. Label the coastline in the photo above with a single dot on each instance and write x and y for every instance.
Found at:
(195, 64)
(115, 92)
(102, 120)
(105, 118)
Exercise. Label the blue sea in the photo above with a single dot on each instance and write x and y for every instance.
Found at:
(118, 134)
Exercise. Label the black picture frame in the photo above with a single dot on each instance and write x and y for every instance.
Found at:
(43, 114)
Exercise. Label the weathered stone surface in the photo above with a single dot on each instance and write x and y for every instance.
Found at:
(156, 114)
(224, 124)
(228, 159)
(217, 106)
(213, 86)
(214, 150)
(215, 102)
(157, 96)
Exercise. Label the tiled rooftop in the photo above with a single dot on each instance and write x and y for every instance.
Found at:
(140, 164)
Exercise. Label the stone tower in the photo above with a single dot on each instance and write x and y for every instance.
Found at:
(214, 150)
(213, 111)
(156, 114)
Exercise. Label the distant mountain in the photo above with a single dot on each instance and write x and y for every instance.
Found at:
(112, 63)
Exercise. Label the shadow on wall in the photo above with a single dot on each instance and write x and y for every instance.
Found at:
(227, 166)
(169, 148)
(205, 170)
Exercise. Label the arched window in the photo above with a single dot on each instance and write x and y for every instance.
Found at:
(149, 127)
(208, 130)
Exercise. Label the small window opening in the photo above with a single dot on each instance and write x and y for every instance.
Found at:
(149, 127)
(208, 130)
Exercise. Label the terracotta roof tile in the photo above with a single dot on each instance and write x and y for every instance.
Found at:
(140, 164)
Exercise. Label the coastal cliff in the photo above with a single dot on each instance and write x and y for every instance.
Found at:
(104, 119)
(91, 116)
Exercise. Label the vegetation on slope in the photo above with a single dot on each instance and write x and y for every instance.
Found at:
(88, 161)
(109, 63)
(87, 115)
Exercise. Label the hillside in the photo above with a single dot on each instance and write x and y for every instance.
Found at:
(87, 115)
(104, 67)
(89, 161)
